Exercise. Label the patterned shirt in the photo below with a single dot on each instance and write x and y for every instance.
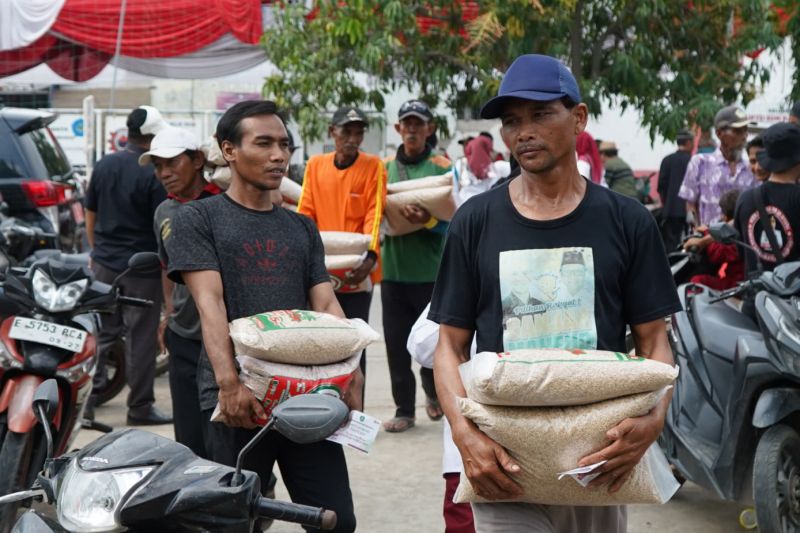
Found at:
(708, 177)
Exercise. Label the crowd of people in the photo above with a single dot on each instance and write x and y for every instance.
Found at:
(559, 227)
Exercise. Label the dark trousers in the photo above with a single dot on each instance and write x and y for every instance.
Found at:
(672, 229)
(402, 305)
(140, 327)
(314, 474)
(356, 305)
(186, 412)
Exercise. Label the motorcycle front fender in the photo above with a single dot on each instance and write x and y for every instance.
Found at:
(774, 405)
(17, 401)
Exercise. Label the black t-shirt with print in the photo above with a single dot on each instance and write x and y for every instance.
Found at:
(268, 261)
(782, 203)
(573, 282)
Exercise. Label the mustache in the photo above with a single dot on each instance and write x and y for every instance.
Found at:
(530, 146)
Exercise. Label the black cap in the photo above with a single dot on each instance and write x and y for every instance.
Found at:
(415, 108)
(684, 135)
(347, 114)
(781, 147)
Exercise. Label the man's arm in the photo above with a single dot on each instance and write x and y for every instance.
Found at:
(485, 461)
(305, 204)
(323, 300)
(236, 402)
(633, 436)
(91, 217)
(375, 193)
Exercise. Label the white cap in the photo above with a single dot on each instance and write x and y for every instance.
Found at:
(154, 122)
(170, 142)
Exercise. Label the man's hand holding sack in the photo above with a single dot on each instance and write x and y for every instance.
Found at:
(285, 353)
(545, 412)
(410, 204)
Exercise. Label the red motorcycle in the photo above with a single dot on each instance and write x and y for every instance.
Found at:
(50, 319)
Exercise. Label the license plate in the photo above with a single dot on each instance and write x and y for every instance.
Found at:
(28, 329)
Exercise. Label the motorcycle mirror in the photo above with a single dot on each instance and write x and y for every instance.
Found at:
(724, 233)
(45, 407)
(46, 395)
(309, 417)
(145, 263)
(302, 419)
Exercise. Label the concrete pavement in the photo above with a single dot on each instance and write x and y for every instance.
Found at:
(398, 487)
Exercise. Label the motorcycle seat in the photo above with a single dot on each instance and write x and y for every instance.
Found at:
(719, 325)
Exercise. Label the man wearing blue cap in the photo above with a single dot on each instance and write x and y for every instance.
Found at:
(545, 214)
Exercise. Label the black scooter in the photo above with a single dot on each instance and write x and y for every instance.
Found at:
(132, 480)
(734, 419)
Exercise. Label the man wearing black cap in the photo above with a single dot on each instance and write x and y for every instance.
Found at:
(772, 227)
(345, 190)
(120, 205)
(670, 179)
(410, 263)
(709, 176)
(600, 252)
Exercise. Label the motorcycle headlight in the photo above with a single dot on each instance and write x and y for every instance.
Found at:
(54, 298)
(90, 501)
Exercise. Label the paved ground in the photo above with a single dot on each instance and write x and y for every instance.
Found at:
(398, 487)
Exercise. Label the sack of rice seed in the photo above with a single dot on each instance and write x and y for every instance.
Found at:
(545, 377)
(299, 337)
(272, 383)
(438, 201)
(344, 242)
(441, 180)
(291, 191)
(338, 266)
(548, 441)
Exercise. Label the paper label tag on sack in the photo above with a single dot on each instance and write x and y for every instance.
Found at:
(359, 433)
(575, 472)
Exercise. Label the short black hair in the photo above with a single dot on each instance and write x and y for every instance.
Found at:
(567, 101)
(727, 202)
(487, 135)
(134, 122)
(611, 152)
(228, 126)
(755, 142)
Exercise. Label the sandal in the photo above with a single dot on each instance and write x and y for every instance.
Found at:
(434, 410)
(398, 424)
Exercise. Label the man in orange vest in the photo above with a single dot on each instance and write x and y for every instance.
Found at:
(345, 190)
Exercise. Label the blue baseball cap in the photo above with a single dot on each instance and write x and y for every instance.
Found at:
(533, 77)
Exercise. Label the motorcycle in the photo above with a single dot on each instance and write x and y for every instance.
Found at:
(51, 315)
(133, 480)
(115, 376)
(734, 418)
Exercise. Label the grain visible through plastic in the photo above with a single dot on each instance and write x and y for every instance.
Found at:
(300, 337)
(555, 377)
(544, 441)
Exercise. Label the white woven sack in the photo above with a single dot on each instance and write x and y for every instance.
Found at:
(547, 377)
(545, 441)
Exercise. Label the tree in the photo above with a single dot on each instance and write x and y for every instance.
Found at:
(676, 61)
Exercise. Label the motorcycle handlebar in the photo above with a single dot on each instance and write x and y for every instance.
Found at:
(135, 302)
(300, 514)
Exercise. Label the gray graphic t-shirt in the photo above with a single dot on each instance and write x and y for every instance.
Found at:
(268, 261)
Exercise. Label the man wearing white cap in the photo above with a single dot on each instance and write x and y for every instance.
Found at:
(175, 153)
(120, 204)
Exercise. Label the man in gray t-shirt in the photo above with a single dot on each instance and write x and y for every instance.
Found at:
(178, 162)
(241, 255)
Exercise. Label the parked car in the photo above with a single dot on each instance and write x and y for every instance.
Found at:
(36, 179)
